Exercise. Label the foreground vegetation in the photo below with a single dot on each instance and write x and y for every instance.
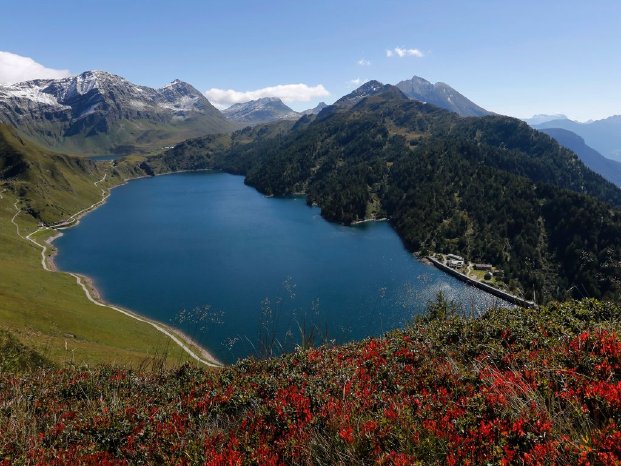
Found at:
(516, 386)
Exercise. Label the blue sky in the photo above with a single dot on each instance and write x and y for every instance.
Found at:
(513, 57)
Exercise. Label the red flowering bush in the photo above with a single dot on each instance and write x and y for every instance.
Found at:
(513, 387)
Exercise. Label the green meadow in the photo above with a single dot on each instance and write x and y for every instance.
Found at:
(48, 311)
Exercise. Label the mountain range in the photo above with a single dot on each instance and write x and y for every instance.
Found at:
(101, 113)
(270, 109)
(544, 118)
(602, 135)
(266, 110)
(609, 169)
(98, 112)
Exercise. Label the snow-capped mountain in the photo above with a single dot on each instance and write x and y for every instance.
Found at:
(441, 95)
(264, 110)
(101, 111)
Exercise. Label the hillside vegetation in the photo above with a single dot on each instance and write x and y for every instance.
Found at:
(49, 312)
(516, 386)
(50, 185)
(491, 188)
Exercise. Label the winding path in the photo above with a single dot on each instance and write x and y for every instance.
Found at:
(73, 220)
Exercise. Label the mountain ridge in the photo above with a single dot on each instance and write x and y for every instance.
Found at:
(97, 110)
(608, 168)
(441, 95)
(602, 135)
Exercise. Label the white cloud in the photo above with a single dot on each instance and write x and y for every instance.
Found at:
(403, 52)
(15, 68)
(223, 98)
(364, 62)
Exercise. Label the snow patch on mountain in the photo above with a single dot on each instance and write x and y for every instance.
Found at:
(32, 92)
(70, 93)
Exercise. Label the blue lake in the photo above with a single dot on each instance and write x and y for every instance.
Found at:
(235, 269)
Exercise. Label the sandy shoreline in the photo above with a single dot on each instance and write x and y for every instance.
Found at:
(92, 293)
(180, 338)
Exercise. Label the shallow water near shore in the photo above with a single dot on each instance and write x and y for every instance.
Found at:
(239, 272)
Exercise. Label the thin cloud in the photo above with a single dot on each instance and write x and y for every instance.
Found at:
(15, 68)
(403, 52)
(223, 98)
(356, 82)
(364, 62)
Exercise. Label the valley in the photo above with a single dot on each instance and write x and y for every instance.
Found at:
(376, 153)
(310, 233)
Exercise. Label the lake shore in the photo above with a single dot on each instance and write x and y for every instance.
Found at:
(94, 294)
(181, 339)
(91, 292)
(483, 286)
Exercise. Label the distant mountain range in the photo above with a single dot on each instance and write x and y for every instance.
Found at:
(266, 110)
(544, 118)
(98, 112)
(441, 95)
(602, 135)
(609, 169)
(270, 109)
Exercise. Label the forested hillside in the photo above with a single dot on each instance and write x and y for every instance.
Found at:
(489, 188)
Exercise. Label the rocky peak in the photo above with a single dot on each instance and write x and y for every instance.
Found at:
(369, 89)
(262, 110)
(441, 95)
(94, 102)
(314, 111)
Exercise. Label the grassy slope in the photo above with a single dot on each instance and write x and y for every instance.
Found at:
(130, 136)
(49, 311)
